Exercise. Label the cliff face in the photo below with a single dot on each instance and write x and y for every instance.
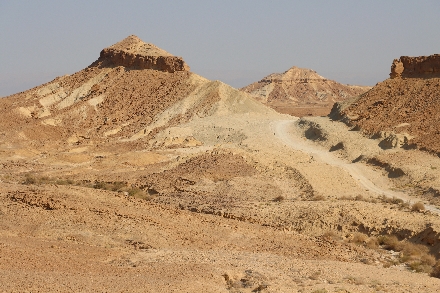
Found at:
(132, 52)
(422, 66)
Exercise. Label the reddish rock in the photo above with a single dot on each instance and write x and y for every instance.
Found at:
(422, 66)
(133, 52)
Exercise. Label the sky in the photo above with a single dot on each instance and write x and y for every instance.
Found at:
(235, 41)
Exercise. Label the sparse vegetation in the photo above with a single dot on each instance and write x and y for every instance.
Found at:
(418, 207)
(436, 270)
(279, 198)
(372, 243)
(331, 235)
(416, 256)
(31, 179)
(359, 238)
(317, 197)
(315, 275)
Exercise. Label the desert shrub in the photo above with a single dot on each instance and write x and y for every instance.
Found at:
(101, 185)
(372, 243)
(436, 270)
(406, 204)
(359, 238)
(390, 243)
(318, 197)
(118, 186)
(30, 179)
(359, 197)
(315, 275)
(64, 182)
(418, 206)
(279, 198)
(331, 235)
(138, 193)
(346, 197)
(420, 267)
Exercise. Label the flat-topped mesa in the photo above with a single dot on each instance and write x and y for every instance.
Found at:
(422, 67)
(134, 53)
(296, 75)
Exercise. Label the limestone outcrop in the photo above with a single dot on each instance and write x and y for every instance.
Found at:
(134, 53)
(421, 67)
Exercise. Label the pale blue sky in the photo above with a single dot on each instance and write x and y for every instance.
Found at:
(237, 42)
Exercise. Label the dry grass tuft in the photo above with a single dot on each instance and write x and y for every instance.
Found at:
(359, 238)
(317, 197)
(418, 207)
(331, 235)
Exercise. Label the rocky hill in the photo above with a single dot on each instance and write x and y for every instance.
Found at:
(403, 110)
(132, 92)
(301, 92)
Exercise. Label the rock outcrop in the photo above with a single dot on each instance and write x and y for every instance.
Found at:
(422, 67)
(406, 105)
(300, 92)
(132, 52)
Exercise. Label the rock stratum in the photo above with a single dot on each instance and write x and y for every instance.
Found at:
(404, 109)
(133, 53)
(301, 92)
(421, 67)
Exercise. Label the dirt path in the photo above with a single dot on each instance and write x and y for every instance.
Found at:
(291, 139)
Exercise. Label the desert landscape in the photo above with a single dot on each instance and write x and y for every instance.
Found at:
(137, 175)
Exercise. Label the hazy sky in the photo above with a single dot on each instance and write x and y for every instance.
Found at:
(237, 42)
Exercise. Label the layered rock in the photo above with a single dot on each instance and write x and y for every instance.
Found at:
(300, 91)
(422, 66)
(132, 52)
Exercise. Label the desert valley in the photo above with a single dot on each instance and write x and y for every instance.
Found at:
(137, 175)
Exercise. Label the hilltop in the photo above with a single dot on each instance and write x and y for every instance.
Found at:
(300, 92)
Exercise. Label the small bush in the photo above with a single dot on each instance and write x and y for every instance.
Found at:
(345, 197)
(372, 243)
(436, 270)
(359, 197)
(418, 207)
(359, 238)
(317, 197)
(331, 235)
(29, 179)
(315, 275)
(138, 193)
(279, 198)
(390, 243)
(420, 267)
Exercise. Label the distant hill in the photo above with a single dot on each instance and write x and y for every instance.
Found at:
(301, 92)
